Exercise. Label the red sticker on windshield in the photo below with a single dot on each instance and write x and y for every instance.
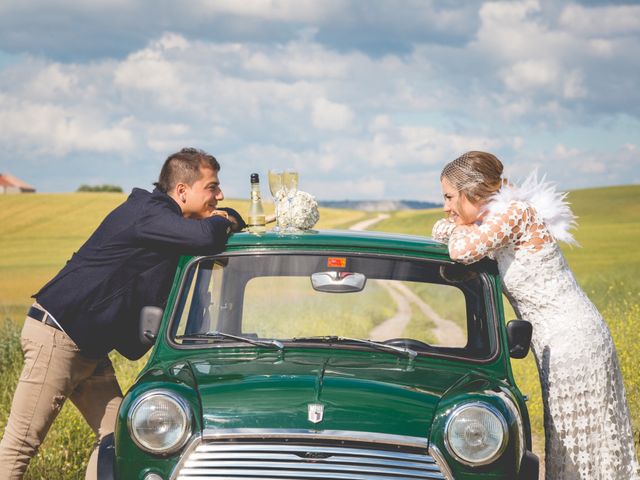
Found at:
(336, 262)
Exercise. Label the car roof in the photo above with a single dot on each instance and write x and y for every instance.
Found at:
(341, 240)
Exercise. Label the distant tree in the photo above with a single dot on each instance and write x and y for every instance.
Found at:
(100, 188)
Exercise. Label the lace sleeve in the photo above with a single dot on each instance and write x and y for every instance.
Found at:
(470, 243)
(442, 230)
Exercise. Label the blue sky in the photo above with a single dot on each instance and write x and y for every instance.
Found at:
(367, 99)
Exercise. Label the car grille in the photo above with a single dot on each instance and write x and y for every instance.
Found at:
(293, 459)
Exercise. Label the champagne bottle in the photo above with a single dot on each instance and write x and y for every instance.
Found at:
(256, 219)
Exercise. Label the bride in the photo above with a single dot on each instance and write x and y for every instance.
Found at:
(588, 432)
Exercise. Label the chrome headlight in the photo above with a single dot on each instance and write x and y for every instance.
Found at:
(160, 422)
(476, 433)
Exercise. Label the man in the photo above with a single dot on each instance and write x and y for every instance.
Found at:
(92, 306)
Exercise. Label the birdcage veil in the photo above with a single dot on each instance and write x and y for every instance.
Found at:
(461, 174)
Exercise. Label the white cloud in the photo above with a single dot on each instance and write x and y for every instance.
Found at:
(592, 166)
(507, 31)
(162, 138)
(328, 115)
(380, 123)
(607, 20)
(531, 58)
(93, 5)
(580, 162)
(275, 83)
(50, 129)
(300, 60)
(601, 47)
(148, 70)
(52, 81)
(573, 85)
(617, 167)
(561, 151)
(329, 161)
(337, 187)
(300, 10)
(530, 74)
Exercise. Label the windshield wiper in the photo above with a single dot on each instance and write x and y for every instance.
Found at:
(260, 343)
(336, 339)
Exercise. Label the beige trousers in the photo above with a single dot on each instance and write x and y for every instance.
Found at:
(54, 370)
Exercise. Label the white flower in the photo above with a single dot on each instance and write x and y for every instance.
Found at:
(301, 213)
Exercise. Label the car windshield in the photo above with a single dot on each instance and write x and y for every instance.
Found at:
(279, 300)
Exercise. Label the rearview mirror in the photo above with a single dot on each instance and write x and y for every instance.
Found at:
(519, 337)
(150, 318)
(338, 282)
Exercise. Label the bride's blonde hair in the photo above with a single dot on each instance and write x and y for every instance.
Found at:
(476, 175)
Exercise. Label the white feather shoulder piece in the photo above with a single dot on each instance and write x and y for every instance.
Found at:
(550, 204)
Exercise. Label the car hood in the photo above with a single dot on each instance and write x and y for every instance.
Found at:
(368, 392)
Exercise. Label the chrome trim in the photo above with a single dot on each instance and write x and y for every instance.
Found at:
(304, 454)
(499, 416)
(182, 403)
(296, 474)
(345, 435)
(442, 463)
(206, 451)
(513, 408)
(191, 446)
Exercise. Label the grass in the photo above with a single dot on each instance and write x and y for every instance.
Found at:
(41, 231)
(267, 301)
(420, 327)
(447, 301)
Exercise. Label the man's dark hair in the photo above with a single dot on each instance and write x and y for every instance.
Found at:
(184, 167)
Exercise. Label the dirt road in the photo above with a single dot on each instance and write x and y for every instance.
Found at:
(445, 331)
(364, 224)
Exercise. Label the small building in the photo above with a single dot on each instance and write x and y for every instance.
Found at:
(11, 184)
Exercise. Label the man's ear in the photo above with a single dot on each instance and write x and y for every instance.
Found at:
(180, 191)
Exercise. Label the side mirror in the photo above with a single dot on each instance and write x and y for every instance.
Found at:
(519, 336)
(150, 318)
(338, 282)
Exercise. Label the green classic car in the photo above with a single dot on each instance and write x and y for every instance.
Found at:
(327, 355)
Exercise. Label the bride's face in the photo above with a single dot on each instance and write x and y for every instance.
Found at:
(458, 207)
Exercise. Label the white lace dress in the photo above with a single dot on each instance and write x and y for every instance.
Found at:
(587, 424)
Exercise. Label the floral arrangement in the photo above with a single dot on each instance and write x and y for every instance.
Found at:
(301, 213)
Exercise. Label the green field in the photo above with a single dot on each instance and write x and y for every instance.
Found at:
(41, 231)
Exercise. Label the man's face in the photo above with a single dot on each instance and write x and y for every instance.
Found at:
(203, 196)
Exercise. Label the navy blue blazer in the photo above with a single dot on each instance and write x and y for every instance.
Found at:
(127, 263)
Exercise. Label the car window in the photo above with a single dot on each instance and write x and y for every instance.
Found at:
(413, 303)
(383, 310)
(202, 302)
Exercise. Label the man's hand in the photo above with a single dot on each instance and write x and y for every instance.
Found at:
(236, 224)
(220, 213)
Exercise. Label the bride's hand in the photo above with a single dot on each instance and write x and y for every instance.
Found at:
(443, 229)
